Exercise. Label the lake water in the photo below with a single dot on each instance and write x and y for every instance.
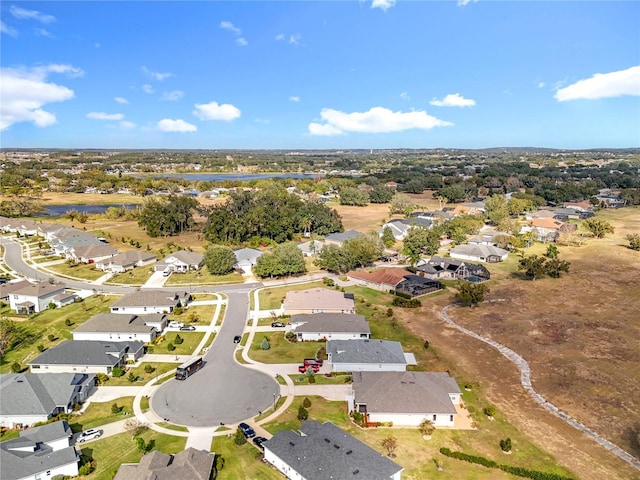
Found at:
(59, 210)
(221, 177)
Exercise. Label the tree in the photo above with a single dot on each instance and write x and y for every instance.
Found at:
(142, 446)
(306, 403)
(353, 196)
(390, 444)
(286, 259)
(219, 260)
(115, 408)
(426, 428)
(471, 293)
(178, 340)
(401, 204)
(134, 426)
(420, 241)
(16, 367)
(453, 193)
(132, 377)
(303, 414)
(167, 216)
(496, 208)
(265, 345)
(7, 335)
(552, 251)
(505, 445)
(387, 237)
(358, 251)
(380, 194)
(533, 266)
(554, 266)
(516, 206)
(597, 227)
(239, 439)
(634, 241)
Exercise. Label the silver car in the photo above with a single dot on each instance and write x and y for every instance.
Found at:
(90, 434)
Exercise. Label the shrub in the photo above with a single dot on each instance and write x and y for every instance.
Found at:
(148, 369)
(303, 414)
(399, 301)
(505, 445)
(40, 348)
(239, 438)
(67, 322)
(265, 345)
(117, 372)
(115, 408)
(178, 340)
(171, 347)
(132, 377)
(16, 367)
(490, 411)
(178, 310)
(426, 344)
(219, 463)
(389, 312)
(328, 282)
(306, 403)
(51, 337)
(312, 378)
(102, 378)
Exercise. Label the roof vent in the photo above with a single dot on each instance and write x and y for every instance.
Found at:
(292, 444)
(336, 446)
(349, 452)
(327, 440)
(356, 471)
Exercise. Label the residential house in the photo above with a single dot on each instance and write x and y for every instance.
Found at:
(64, 241)
(339, 238)
(479, 253)
(415, 285)
(367, 355)
(247, 258)
(583, 206)
(126, 261)
(182, 261)
(321, 451)
(400, 226)
(92, 253)
(34, 297)
(64, 299)
(311, 248)
(40, 453)
(86, 356)
(143, 302)
(545, 229)
(405, 398)
(318, 300)
(6, 289)
(383, 279)
(452, 269)
(488, 237)
(329, 326)
(118, 327)
(468, 209)
(29, 398)
(188, 464)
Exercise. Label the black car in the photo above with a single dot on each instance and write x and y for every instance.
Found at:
(277, 324)
(247, 431)
(258, 441)
(237, 339)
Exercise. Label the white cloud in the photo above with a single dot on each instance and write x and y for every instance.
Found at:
(179, 125)
(603, 85)
(6, 29)
(147, 89)
(453, 100)
(541, 84)
(462, 3)
(230, 27)
(383, 4)
(405, 96)
(126, 125)
(105, 116)
(291, 39)
(26, 91)
(43, 33)
(280, 36)
(213, 111)
(242, 42)
(121, 100)
(159, 76)
(294, 99)
(376, 120)
(24, 14)
(173, 96)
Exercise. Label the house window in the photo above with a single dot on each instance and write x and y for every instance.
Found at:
(434, 418)
(115, 309)
(451, 418)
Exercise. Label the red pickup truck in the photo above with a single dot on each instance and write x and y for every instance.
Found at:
(303, 368)
(313, 361)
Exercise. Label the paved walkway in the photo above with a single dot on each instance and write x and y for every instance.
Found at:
(525, 380)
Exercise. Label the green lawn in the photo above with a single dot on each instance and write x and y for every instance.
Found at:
(199, 314)
(272, 298)
(137, 276)
(87, 272)
(110, 453)
(191, 341)
(99, 413)
(241, 462)
(35, 330)
(303, 379)
(202, 277)
(159, 369)
(281, 350)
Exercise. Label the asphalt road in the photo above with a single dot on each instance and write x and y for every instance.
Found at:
(222, 392)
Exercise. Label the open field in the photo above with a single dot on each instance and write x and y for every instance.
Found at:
(581, 336)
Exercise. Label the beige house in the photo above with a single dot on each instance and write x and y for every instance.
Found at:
(318, 300)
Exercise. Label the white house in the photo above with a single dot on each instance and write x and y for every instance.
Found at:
(144, 302)
(247, 258)
(86, 356)
(40, 453)
(34, 297)
(405, 398)
(368, 355)
(126, 261)
(400, 226)
(92, 253)
(318, 300)
(311, 248)
(321, 451)
(118, 327)
(182, 261)
(329, 326)
(479, 253)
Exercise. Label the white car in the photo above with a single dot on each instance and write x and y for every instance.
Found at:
(90, 434)
(176, 324)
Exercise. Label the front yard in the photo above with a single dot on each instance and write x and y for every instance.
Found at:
(187, 347)
(282, 351)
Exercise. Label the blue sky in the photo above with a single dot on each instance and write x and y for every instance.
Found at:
(328, 74)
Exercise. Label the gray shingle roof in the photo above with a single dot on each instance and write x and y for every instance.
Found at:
(365, 351)
(247, 255)
(151, 298)
(16, 464)
(86, 353)
(185, 256)
(39, 393)
(330, 323)
(119, 323)
(39, 289)
(132, 257)
(341, 237)
(405, 392)
(323, 451)
(189, 464)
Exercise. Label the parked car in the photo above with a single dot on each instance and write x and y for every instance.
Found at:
(246, 430)
(90, 434)
(176, 324)
(187, 328)
(258, 441)
(166, 273)
(313, 361)
(304, 368)
(237, 339)
(277, 324)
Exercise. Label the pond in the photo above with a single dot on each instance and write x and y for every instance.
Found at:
(59, 210)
